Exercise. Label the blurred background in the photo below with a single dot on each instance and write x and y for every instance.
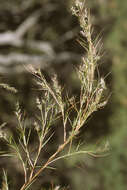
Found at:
(44, 33)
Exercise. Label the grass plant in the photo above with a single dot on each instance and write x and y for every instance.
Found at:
(53, 105)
